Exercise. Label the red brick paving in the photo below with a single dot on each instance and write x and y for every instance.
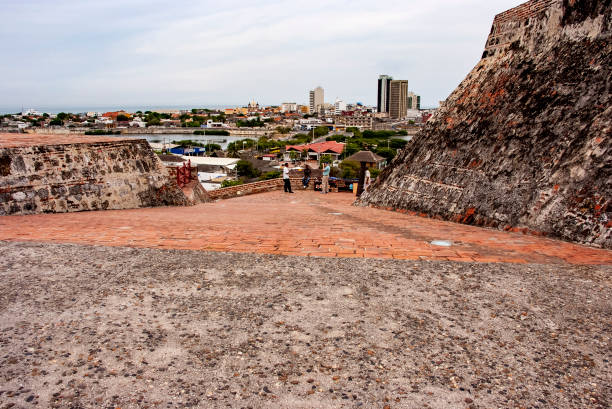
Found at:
(301, 224)
(11, 140)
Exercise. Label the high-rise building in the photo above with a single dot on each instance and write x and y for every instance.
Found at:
(339, 106)
(316, 99)
(398, 93)
(414, 101)
(384, 81)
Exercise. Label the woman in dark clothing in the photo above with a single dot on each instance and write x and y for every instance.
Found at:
(306, 177)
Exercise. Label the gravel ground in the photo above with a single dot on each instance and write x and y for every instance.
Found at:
(84, 326)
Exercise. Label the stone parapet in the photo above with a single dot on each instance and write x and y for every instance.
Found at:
(252, 188)
(74, 175)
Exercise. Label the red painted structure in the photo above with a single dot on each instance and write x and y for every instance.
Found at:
(183, 174)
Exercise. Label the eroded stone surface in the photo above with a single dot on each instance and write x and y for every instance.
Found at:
(524, 141)
(75, 175)
(118, 327)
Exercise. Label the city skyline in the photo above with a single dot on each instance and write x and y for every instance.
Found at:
(145, 54)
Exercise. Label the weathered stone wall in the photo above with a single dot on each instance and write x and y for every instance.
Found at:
(523, 143)
(67, 177)
(253, 188)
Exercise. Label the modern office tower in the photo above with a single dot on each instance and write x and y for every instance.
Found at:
(414, 101)
(398, 92)
(382, 104)
(316, 99)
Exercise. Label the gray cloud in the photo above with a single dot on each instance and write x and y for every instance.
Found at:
(71, 52)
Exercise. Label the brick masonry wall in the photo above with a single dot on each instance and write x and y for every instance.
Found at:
(83, 176)
(255, 187)
(523, 143)
(511, 25)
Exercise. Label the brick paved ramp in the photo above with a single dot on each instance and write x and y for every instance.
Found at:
(306, 223)
(108, 327)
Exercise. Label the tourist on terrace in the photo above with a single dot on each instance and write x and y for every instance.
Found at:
(286, 178)
(306, 177)
(325, 179)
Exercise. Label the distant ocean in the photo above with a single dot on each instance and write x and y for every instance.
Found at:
(89, 108)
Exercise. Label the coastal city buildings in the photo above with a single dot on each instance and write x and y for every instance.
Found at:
(398, 92)
(382, 104)
(396, 109)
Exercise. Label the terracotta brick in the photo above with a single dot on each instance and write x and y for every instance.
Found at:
(298, 224)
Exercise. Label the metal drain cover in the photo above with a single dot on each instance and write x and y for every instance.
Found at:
(443, 243)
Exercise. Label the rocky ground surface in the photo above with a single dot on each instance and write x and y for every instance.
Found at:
(85, 326)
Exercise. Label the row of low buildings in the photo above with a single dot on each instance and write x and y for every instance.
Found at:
(393, 98)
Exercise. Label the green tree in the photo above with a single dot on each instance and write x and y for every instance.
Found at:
(62, 116)
(122, 117)
(246, 169)
(270, 175)
(229, 183)
(153, 121)
(211, 147)
(349, 169)
(320, 131)
(337, 138)
(216, 132)
(56, 122)
(326, 159)
(397, 143)
(387, 153)
(355, 131)
(351, 148)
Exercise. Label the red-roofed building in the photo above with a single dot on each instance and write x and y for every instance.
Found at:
(113, 115)
(315, 150)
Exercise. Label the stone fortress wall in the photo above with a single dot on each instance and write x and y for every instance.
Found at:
(82, 174)
(523, 143)
(511, 25)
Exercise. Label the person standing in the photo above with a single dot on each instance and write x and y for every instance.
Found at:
(325, 179)
(306, 177)
(367, 180)
(286, 178)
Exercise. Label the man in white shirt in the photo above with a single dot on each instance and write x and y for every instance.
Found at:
(286, 178)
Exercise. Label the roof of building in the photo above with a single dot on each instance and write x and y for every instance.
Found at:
(209, 160)
(170, 158)
(319, 147)
(365, 156)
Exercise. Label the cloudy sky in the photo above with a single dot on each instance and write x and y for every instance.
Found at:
(198, 52)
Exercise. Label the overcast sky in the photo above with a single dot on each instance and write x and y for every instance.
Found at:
(196, 53)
